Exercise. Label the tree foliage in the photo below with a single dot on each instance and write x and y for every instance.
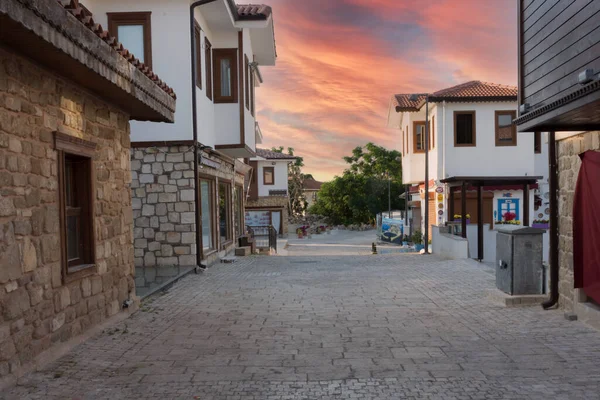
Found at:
(297, 200)
(362, 191)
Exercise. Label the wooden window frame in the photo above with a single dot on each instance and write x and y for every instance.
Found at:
(232, 56)
(252, 98)
(537, 142)
(513, 115)
(209, 65)
(198, 50)
(239, 189)
(474, 123)
(206, 251)
(247, 81)
(407, 140)
(144, 18)
(68, 147)
(228, 213)
(272, 169)
(415, 123)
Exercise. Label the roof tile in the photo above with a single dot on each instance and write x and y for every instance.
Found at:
(254, 11)
(84, 15)
(273, 155)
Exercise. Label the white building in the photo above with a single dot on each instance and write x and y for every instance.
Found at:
(231, 43)
(268, 198)
(471, 140)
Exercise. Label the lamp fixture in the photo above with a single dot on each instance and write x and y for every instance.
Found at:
(586, 76)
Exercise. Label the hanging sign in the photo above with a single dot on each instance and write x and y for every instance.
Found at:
(209, 163)
(440, 197)
(441, 212)
(439, 189)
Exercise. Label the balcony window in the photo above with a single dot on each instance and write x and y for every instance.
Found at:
(226, 77)
(419, 137)
(209, 65)
(464, 129)
(133, 30)
(506, 131)
(198, 50)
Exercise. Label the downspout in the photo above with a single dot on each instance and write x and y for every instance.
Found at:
(197, 148)
(553, 178)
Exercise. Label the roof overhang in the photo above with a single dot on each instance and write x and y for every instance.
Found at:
(236, 150)
(418, 106)
(491, 180)
(46, 33)
(578, 111)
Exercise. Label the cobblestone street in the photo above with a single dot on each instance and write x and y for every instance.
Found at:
(340, 326)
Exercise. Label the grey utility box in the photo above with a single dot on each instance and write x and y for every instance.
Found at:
(519, 261)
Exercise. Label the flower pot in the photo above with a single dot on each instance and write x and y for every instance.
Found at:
(300, 235)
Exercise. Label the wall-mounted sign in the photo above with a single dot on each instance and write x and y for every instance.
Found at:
(440, 205)
(439, 189)
(209, 163)
(441, 212)
(440, 197)
(507, 195)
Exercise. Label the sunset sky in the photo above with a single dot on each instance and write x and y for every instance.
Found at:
(339, 62)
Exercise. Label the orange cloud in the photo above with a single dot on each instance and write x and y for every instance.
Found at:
(339, 62)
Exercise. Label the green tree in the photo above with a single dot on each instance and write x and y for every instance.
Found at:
(362, 190)
(297, 201)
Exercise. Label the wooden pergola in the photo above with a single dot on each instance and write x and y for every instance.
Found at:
(479, 182)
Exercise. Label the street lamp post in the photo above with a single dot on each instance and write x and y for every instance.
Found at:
(415, 97)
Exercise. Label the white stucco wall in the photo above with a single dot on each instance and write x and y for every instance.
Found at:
(281, 176)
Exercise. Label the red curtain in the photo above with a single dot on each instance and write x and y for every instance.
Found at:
(586, 226)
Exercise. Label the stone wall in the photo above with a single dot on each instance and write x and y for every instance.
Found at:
(274, 203)
(38, 306)
(568, 171)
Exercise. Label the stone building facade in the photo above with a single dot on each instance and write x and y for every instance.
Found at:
(164, 210)
(568, 151)
(65, 265)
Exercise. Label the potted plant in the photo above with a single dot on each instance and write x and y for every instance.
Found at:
(300, 233)
(540, 223)
(458, 218)
(417, 238)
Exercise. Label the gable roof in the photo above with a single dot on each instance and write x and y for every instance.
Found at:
(273, 155)
(472, 91)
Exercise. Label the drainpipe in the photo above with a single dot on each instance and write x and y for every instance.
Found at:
(197, 146)
(553, 180)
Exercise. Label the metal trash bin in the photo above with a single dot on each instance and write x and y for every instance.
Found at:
(519, 261)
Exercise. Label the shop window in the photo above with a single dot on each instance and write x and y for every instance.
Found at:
(225, 212)
(206, 208)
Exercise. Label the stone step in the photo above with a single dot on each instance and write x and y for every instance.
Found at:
(243, 251)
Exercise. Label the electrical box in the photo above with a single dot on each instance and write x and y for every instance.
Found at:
(519, 261)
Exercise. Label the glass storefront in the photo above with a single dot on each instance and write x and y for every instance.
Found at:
(206, 195)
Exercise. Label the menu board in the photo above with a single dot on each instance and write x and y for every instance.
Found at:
(258, 218)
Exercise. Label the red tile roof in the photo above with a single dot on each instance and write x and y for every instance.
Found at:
(477, 89)
(273, 155)
(253, 11)
(311, 184)
(85, 16)
(469, 91)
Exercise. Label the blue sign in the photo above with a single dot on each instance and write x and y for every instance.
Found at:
(392, 230)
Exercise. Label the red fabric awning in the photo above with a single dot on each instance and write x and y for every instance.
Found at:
(586, 226)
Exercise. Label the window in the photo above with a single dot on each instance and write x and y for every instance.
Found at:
(464, 128)
(238, 202)
(76, 202)
(226, 80)
(198, 50)
(206, 208)
(407, 142)
(506, 131)
(247, 81)
(208, 60)
(419, 137)
(225, 212)
(133, 30)
(537, 142)
(268, 175)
